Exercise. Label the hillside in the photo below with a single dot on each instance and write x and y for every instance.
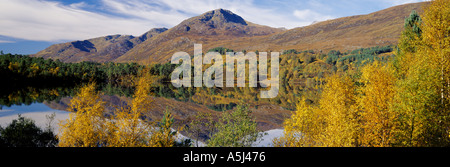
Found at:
(348, 33)
(209, 29)
(223, 28)
(101, 49)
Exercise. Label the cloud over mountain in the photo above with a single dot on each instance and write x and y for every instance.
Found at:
(46, 20)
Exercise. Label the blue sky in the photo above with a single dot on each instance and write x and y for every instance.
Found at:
(28, 26)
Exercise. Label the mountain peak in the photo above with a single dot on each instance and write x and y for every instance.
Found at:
(151, 33)
(211, 21)
(222, 16)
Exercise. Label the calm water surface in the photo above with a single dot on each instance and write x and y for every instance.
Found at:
(35, 111)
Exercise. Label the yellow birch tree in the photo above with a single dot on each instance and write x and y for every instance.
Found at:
(423, 99)
(333, 123)
(377, 94)
(339, 109)
(303, 128)
(88, 127)
(86, 124)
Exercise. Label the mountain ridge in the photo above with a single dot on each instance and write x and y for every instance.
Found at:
(223, 28)
(100, 49)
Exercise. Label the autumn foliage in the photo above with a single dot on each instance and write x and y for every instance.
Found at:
(88, 125)
(404, 102)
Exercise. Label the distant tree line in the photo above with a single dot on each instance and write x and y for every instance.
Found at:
(221, 50)
(357, 55)
(24, 69)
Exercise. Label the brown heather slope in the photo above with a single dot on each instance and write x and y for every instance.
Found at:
(223, 28)
(101, 49)
(348, 33)
(209, 29)
(380, 28)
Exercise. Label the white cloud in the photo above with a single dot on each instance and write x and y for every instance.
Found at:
(174, 11)
(6, 41)
(79, 5)
(308, 16)
(170, 13)
(401, 2)
(150, 12)
(51, 21)
(42, 20)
